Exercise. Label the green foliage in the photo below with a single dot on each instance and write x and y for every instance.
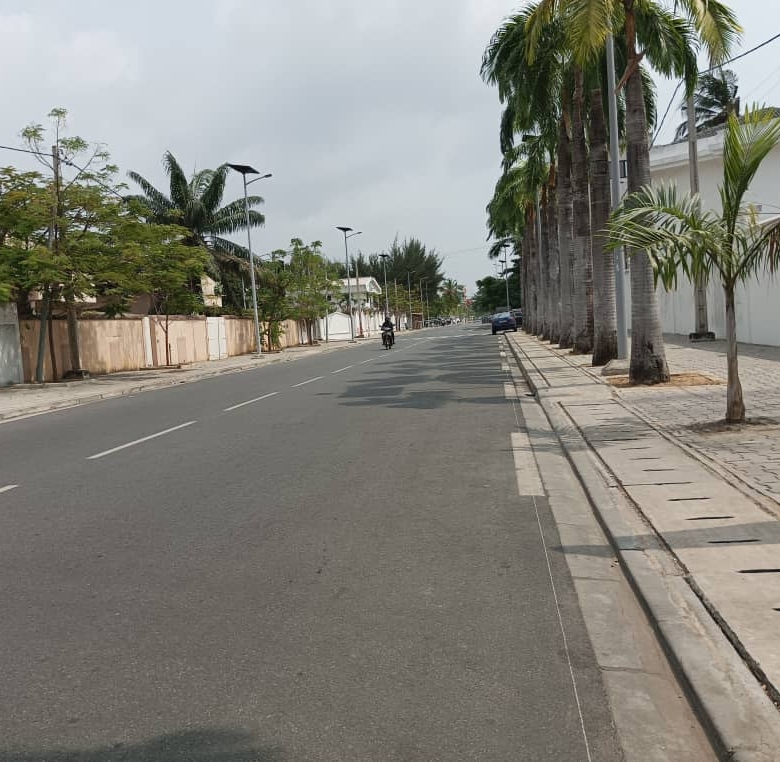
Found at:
(681, 237)
(196, 204)
(491, 293)
(309, 278)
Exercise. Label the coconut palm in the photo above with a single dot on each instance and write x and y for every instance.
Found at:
(196, 205)
(734, 245)
(715, 98)
(589, 23)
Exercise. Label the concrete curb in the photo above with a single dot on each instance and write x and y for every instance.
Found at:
(741, 721)
(176, 378)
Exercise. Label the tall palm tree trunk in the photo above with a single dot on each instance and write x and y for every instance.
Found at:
(583, 334)
(544, 267)
(648, 357)
(554, 264)
(604, 302)
(565, 212)
(533, 271)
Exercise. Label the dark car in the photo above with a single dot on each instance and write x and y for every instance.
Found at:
(517, 315)
(503, 321)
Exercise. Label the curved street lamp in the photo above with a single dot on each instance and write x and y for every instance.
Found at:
(348, 233)
(244, 170)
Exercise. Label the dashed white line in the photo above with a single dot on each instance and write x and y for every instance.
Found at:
(341, 370)
(249, 402)
(363, 362)
(308, 381)
(140, 441)
(8, 487)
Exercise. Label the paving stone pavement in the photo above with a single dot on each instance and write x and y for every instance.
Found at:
(751, 452)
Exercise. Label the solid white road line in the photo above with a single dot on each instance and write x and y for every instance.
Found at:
(341, 370)
(527, 472)
(139, 441)
(303, 383)
(8, 487)
(249, 402)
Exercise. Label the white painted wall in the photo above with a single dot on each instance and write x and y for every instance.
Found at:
(758, 301)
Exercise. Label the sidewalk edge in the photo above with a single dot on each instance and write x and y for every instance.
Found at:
(741, 721)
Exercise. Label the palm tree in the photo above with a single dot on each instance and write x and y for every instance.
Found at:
(589, 23)
(715, 98)
(196, 205)
(734, 244)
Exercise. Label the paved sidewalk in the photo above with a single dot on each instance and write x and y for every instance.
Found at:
(32, 399)
(751, 453)
(726, 544)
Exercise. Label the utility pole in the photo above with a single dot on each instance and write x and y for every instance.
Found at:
(409, 288)
(702, 330)
(46, 299)
(384, 271)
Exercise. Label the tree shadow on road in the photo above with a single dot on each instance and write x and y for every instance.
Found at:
(213, 745)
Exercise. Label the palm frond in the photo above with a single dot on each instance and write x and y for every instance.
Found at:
(211, 195)
(159, 204)
(716, 25)
(225, 224)
(180, 195)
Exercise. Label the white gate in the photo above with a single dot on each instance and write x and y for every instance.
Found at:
(10, 348)
(215, 330)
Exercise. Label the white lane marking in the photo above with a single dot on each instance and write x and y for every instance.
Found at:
(505, 368)
(140, 441)
(309, 381)
(528, 480)
(341, 370)
(563, 632)
(8, 487)
(363, 362)
(249, 402)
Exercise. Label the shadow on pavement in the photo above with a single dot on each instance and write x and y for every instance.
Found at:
(187, 746)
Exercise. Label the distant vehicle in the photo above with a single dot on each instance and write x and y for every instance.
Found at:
(517, 315)
(503, 321)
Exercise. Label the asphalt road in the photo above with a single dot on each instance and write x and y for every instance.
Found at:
(322, 560)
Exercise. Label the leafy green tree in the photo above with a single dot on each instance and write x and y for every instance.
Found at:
(491, 294)
(196, 204)
(273, 305)
(310, 278)
(734, 245)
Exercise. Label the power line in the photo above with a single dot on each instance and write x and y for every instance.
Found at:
(707, 71)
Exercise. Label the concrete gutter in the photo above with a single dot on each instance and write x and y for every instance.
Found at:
(741, 721)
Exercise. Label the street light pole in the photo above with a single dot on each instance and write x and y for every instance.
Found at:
(244, 170)
(346, 231)
(409, 288)
(506, 283)
(384, 271)
(423, 301)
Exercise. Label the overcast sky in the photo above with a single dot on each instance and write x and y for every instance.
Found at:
(370, 114)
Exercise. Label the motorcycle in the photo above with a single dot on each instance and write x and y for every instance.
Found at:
(387, 338)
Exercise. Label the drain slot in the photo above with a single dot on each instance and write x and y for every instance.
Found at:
(759, 571)
(733, 542)
(658, 469)
(682, 499)
(708, 518)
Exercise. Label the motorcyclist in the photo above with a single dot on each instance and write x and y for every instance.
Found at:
(388, 326)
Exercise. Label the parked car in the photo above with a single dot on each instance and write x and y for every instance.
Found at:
(517, 315)
(503, 321)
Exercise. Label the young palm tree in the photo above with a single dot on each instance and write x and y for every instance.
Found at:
(715, 98)
(196, 205)
(679, 236)
(589, 23)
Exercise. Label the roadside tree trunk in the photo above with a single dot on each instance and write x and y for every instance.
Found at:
(553, 262)
(565, 213)
(735, 403)
(583, 334)
(544, 268)
(648, 357)
(604, 301)
(73, 335)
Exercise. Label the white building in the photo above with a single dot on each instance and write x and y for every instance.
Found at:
(758, 300)
(367, 310)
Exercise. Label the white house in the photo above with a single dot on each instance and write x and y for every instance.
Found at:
(758, 300)
(367, 310)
